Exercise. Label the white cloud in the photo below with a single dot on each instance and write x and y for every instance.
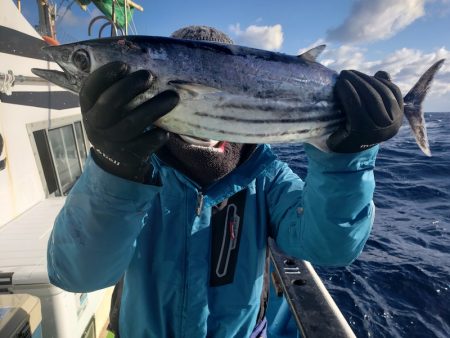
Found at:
(346, 57)
(264, 37)
(405, 66)
(372, 20)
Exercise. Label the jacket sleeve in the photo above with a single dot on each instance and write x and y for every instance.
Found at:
(328, 218)
(94, 235)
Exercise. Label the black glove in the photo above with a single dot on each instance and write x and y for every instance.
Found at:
(373, 107)
(123, 138)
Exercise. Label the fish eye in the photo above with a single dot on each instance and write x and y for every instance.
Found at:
(81, 60)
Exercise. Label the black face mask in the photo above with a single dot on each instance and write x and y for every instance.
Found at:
(202, 164)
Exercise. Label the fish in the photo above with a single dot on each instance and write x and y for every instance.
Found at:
(230, 92)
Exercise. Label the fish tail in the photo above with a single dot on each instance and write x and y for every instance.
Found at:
(413, 107)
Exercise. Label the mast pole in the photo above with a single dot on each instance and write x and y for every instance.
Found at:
(47, 14)
(113, 17)
(125, 4)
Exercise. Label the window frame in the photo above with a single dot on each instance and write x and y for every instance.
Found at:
(50, 125)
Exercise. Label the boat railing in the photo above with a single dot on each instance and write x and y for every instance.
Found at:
(8, 80)
(305, 299)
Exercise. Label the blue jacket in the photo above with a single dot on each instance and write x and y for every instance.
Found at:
(182, 277)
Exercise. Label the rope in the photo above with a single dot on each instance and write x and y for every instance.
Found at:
(134, 29)
(8, 83)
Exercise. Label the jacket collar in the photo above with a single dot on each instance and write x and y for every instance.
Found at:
(232, 183)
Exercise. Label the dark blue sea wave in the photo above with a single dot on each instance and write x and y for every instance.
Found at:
(399, 286)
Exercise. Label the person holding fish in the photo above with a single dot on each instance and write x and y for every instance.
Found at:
(185, 220)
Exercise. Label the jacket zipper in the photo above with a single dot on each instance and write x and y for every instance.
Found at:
(198, 210)
(199, 206)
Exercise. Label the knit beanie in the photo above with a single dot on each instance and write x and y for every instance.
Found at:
(203, 33)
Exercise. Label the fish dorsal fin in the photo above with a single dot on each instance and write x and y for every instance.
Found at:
(313, 53)
(192, 88)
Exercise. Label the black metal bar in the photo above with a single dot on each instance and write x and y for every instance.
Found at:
(6, 282)
(312, 307)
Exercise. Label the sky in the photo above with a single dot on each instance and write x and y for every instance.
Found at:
(402, 37)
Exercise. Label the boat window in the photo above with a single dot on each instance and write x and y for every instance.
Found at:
(80, 142)
(65, 156)
(45, 157)
(62, 152)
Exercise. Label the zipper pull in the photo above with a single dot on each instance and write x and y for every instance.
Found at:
(199, 207)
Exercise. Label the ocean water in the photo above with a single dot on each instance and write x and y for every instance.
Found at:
(400, 285)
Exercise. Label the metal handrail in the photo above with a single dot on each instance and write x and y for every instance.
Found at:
(314, 311)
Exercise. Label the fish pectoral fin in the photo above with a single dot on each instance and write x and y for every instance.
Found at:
(193, 88)
(313, 53)
(320, 143)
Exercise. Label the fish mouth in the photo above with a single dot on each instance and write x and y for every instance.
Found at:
(62, 79)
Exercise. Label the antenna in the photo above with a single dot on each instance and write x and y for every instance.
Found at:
(47, 15)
